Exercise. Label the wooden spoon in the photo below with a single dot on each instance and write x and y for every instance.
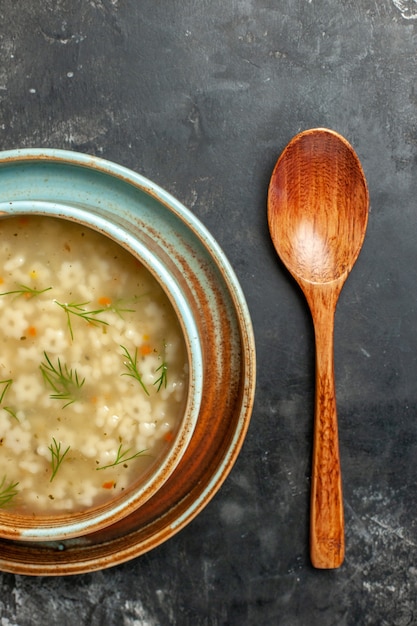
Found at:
(317, 213)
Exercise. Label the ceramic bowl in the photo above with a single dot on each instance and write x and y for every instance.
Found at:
(152, 254)
(208, 299)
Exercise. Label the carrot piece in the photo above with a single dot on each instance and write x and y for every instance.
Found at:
(31, 331)
(168, 437)
(104, 301)
(108, 485)
(145, 349)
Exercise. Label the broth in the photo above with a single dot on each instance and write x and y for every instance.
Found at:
(93, 367)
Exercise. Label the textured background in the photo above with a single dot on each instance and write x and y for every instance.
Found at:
(201, 97)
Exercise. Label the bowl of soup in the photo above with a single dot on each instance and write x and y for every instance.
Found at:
(100, 372)
(127, 363)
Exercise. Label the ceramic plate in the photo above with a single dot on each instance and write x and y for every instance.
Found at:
(44, 179)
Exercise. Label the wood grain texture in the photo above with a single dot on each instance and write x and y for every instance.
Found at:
(317, 213)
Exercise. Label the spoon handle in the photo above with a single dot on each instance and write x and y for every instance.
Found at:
(327, 542)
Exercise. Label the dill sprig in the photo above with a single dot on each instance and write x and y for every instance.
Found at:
(7, 384)
(26, 291)
(163, 376)
(132, 368)
(7, 492)
(62, 380)
(56, 456)
(122, 458)
(11, 412)
(77, 309)
(118, 308)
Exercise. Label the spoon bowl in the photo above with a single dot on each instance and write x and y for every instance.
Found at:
(317, 214)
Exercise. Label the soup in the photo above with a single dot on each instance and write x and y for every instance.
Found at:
(93, 367)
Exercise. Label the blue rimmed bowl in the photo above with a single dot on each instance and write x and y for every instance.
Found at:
(210, 305)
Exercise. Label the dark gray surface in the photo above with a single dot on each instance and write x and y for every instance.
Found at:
(201, 97)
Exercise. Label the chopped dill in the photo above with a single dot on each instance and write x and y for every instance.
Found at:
(118, 308)
(163, 373)
(63, 381)
(56, 456)
(27, 292)
(77, 309)
(7, 492)
(132, 368)
(11, 412)
(122, 458)
(7, 384)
